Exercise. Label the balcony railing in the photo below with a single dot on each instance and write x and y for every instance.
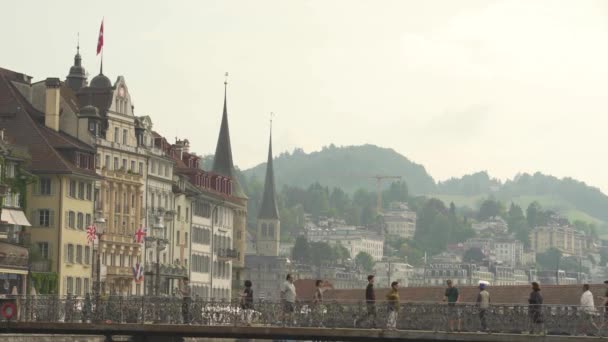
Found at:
(119, 271)
(167, 270)
(41, 266)
(227, 254)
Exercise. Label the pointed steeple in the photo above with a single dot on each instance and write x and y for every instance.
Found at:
(77, 78)
(268, 208)
(222, 161)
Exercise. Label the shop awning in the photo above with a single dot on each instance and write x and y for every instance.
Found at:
(12, 271)
(14, 216)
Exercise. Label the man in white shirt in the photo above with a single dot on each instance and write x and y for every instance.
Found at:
(588, 306)
(288, 295)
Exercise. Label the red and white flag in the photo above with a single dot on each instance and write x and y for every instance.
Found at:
(140, 234)
(100, 39)
(138, 273)
(91, 233)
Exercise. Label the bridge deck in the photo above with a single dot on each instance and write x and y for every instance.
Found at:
(263, 332)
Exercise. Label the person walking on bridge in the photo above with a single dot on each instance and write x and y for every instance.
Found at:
(370, 300)
(288, 295)
(451, 296)
(393, 306)
(535, 309)
(483, 302)
(588, 306)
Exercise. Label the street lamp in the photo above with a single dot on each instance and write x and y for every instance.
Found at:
(100, 226)
(161, 244)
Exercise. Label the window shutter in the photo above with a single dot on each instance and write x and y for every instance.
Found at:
(51, 218)
(65, 253)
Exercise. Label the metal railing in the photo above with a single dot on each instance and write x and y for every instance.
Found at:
(499, 318)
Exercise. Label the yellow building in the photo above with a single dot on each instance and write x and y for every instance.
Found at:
(123, 165)
(567, 239)
(60, 204)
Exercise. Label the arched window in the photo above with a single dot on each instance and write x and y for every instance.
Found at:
(264, 229)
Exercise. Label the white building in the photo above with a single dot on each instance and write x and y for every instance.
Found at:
(508, 251)
(354, 239)
(400, 220)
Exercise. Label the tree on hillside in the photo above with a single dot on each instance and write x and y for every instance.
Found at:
(535, 215)
(517, 224)
(549, 260)
(473, 254)
(490, 208)
(397, 192)
(365, 261)
(341, 253)
(301, 250)
(321, 253)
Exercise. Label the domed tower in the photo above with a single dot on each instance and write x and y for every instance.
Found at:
(77, 78)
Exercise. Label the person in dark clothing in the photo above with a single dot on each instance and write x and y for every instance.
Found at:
(184, 289)
(247, 301)
(535, 309)
(451, 296)
(370, 300)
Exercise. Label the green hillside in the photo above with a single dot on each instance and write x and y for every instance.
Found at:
(348, 168)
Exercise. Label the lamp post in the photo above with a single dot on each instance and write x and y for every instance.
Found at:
(100, 226)
(161, 244)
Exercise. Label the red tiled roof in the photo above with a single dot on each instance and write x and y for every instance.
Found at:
(43, 143)
(552, 294)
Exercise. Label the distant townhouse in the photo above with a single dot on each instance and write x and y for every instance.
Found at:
(400, 220)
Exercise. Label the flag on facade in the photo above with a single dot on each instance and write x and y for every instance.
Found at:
(91, 233)
(100, 38)
(138, 273)
(140, 234)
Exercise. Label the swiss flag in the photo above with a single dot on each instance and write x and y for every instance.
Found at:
(100, 39)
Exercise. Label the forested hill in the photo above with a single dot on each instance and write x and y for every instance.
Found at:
(348, 168)
(567, 196)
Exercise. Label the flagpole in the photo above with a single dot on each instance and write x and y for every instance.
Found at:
(101, 65)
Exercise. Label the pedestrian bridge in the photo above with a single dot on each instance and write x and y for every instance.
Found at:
(147, 318)
(164, 332)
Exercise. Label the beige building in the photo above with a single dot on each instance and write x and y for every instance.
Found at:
(400, 220)
(565, 238)
(60, 203)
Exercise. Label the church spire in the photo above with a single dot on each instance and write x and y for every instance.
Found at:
(222, 161)
(268, 208)
(77, 78)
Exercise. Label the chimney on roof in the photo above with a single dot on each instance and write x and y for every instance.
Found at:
(182, 146)
(51, 108)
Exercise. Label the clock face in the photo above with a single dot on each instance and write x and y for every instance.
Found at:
(121, 91)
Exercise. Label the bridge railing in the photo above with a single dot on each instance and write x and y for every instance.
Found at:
(508, 318)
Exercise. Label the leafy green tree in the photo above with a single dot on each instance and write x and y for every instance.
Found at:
(397, 192)
(322, 254)
(549, 260)
(518, 224)
(341, 253)
(301, 250)
(536, 216)
(473, 255)
(365, 261)
(490, 208)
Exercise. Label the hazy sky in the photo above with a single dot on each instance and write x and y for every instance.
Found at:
(458, 86)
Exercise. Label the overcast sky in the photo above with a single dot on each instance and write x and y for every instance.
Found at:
(505, 86)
